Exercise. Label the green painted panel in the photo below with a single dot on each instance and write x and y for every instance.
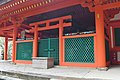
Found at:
(24, 51)
(79, 50)
(54, 45)
(49, 48)
(43, 48)
(107, 50)
(117, 36)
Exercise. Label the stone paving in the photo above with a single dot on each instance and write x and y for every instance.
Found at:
(64, 73)
(8, 78)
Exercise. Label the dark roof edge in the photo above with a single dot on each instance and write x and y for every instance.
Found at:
(2, 2)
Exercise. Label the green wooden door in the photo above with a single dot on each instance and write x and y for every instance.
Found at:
(49, 48)
(42, 46)
(24, 51)
(54, 45)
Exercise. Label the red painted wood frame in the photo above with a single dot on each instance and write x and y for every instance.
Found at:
(93, 65)
(58, 4)
(6, 48)
(62, 38)
(22, 61)
(115, 49)
(61, 25)
(115, 24)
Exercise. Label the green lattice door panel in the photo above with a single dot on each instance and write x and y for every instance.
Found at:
(49, 48)
(24, 51)
(79, 50)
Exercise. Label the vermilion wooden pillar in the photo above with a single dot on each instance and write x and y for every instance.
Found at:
(6, 48)
(101, 56)
(14, 44)
(61, 55)
(35, 42)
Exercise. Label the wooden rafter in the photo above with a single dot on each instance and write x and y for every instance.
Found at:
(111, 5)
(54, 5)
(7, 28)
(107, 4)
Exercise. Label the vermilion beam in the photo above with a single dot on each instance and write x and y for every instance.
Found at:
(7, 27)
(111, 5)
(54, 27)
(114, 23)
(47, 22)
(51, 20)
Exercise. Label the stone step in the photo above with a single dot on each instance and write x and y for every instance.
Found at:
(22, 76)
